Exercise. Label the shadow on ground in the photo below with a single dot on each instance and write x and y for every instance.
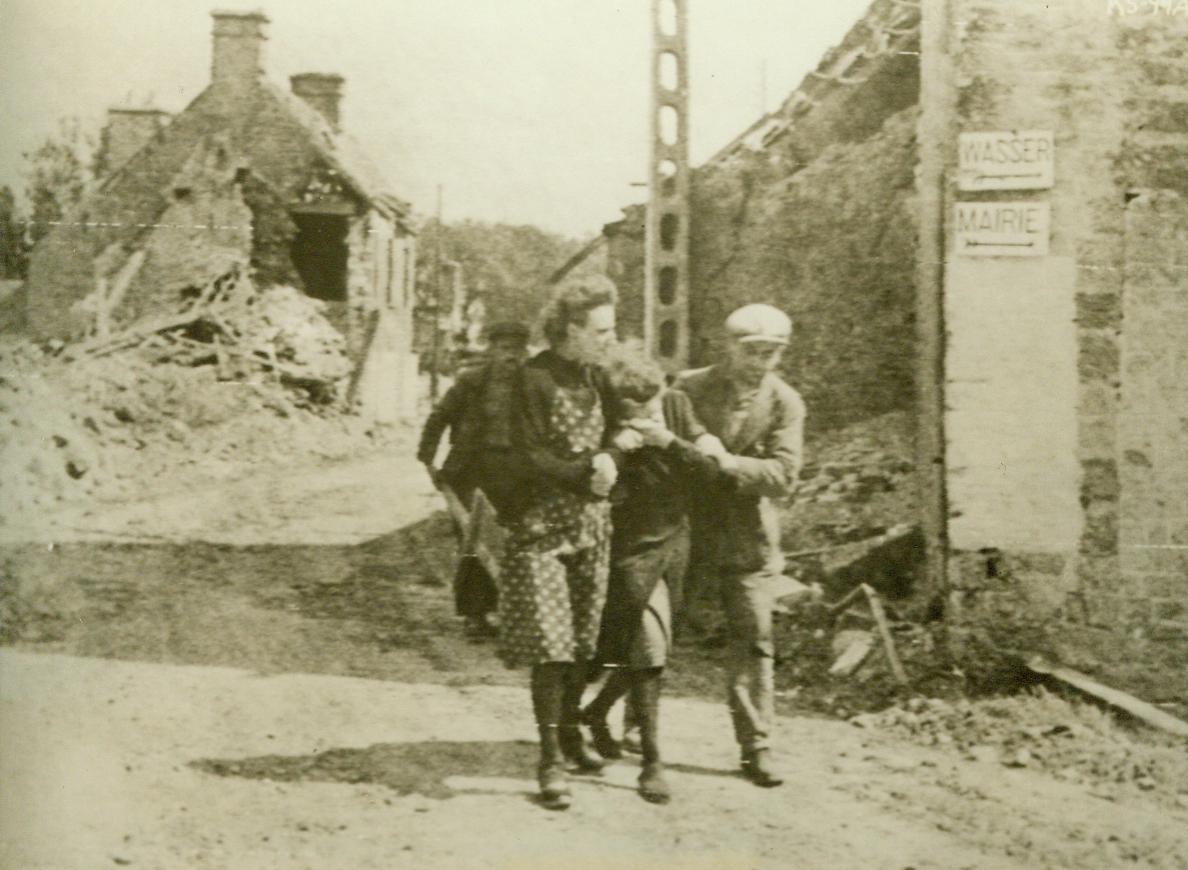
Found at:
(406, 768)
(381, 609)
(437, 769)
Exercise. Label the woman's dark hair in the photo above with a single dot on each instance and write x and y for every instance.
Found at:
(572, 302)
(633, 374)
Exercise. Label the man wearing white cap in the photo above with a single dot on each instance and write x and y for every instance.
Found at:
(760, 421)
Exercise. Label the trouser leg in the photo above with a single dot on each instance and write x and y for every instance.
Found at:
(750, 667)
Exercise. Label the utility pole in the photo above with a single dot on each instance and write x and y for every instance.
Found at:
(666, 286)
(436, 303)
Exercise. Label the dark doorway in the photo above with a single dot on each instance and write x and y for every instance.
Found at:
(319, 254)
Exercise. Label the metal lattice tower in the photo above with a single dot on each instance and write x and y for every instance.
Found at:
(666, 287)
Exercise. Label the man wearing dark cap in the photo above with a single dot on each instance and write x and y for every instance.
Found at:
(759, 420)
(476, 412)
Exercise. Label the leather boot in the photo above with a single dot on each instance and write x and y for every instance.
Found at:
(653, 787)
(550, 774)
(756, 766)
(576, 752)
(573, 742)
(594, 715)
(548, 683)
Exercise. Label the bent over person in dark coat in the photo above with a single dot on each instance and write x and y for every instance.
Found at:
(477, 411)
(649, 551)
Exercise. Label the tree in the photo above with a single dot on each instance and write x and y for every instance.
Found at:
(60, 172)
(13, 253)
(507, 265)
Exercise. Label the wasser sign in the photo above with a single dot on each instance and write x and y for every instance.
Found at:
(1002, 229)
(1015, 160)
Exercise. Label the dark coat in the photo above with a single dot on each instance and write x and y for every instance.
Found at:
(736, 528)
(650, 514)
(472, 422)
(542, 465)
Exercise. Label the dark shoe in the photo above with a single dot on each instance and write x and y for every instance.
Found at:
(653, 787)
(756, 766)
(554, 788)
(604, 742)
(573, 747)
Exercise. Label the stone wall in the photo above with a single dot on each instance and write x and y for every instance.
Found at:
(832, 244)
(1079, 559)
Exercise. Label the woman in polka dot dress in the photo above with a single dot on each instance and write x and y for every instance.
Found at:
(554, 572)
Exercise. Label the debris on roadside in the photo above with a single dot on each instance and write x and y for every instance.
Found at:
(1075, 742)
(845, 524)
(234, 379)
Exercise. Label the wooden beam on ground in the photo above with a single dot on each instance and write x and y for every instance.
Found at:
(1148, 713)
(876, 607)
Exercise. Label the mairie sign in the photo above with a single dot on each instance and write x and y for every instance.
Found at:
(1002, 229)
(1006, 160)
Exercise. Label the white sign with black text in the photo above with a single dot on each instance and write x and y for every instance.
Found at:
(1006, 160)
(1003, 229)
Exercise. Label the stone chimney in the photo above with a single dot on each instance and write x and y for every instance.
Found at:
(127, 131)
(238, 52)
(323, 91)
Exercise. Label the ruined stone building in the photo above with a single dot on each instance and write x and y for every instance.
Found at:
(247, 173)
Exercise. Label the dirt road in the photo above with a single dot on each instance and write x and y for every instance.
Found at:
(268, 674)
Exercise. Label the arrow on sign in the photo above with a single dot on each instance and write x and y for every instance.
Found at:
(969, 243)
(984, 177)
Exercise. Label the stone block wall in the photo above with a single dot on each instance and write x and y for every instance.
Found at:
(1079, 561)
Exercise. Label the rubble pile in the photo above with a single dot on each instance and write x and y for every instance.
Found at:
(809, 646)
(1075, 742)
(857, 482)
(235, 379)
(850, 519)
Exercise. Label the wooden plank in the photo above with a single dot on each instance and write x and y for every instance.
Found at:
(482, 518)
(852, 656)
(472, 524)
(836, 607)
(1148, 713)
(876, 607)
(454, 506)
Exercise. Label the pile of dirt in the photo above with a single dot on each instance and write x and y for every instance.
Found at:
(237, 380)
(1075, 742)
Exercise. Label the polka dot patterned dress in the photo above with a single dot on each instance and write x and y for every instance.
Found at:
(553, 582)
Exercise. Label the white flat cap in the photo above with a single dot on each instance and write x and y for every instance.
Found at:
(759, 322)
